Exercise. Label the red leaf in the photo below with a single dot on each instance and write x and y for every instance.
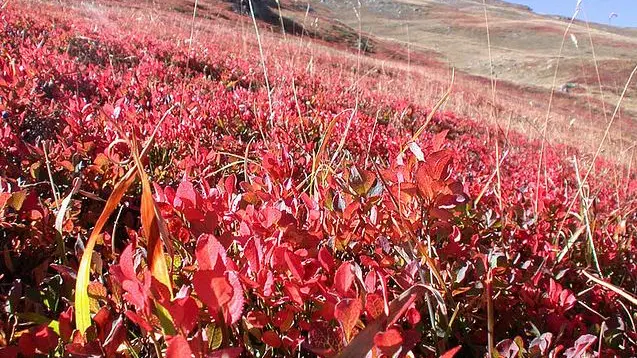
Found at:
(389, 341)
(186, 196)
(439, 140)
(257, 319)
(270, 216)
(374, 305)
(211, 255)
(4, 197)
(283, 320)
(541, 344)
(45, 339)
(178, 347)
(229, 184)
(139, 320)
(137, 292)
(426, 185)
(294, 293)
(127, 263)
(295, 265)
(383, 288)
(581, 346)
(213, 290)
(253, 255)
(437, 165)
(451, 353)
(115, 337)
(184, 312)
(507, 348)
(27, 344)
(370, 281)
(9, 352)
(347, 312)
(235, 307)
(271, 338)
(413, 316)
(66, 325)
(343, 279)
(326, 259)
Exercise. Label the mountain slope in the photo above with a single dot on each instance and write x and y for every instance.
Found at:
(524, 52)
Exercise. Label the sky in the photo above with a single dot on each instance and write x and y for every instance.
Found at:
(595, 10)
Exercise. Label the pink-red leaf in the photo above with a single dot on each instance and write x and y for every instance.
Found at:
(211, 255)
(178, 347)
(214, 290)
(235, 306)
(343, 279)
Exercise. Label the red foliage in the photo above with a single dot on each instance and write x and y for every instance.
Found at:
(274, 248)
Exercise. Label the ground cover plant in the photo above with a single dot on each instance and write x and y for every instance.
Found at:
(161, 196)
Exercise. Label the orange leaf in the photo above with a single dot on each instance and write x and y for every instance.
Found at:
(155, 247)
(374, 304)
(347, 312)
(389, 341)
(151, 225)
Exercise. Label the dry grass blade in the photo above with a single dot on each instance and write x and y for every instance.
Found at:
(82, 310)
(585, 214)
(364, 340)
(245, 162)
(327, 135)
(61, 215)
(632, 299)
(59, 219)
(54, 189)
(433, 111)
(486, 185)
(570, 243)
(490, 315)
(341, 144)
(263, 66)
(319, 154)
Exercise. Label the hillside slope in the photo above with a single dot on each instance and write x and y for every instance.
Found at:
(524, 51)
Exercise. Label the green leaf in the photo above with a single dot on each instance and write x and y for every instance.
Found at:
(32, 317)
(165, 319)
(215, 337)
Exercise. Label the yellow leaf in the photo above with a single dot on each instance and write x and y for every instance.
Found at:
(215, 336)
(82, 303)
